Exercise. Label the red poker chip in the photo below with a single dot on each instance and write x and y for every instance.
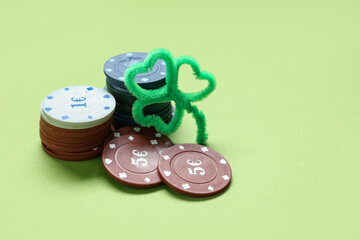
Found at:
(81, 131)
(149, 132)
(73, 156)
(194, 170)
(133, 160)
(75, 134)
(89, 154)
(70, 140)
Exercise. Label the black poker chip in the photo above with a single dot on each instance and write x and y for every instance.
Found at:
(125, 100)
(121, 96)
(151, 109)
(115, 67)
(121, 120)
(164, 114)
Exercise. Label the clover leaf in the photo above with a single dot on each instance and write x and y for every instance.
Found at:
(169, 92)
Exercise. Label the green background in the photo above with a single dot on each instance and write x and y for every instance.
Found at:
(285, 114)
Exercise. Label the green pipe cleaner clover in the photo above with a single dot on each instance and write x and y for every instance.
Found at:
(169, 92)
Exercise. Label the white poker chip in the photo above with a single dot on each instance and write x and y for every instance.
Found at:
(71, 125)
(78, 107)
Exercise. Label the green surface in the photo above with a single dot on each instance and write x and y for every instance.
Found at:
(285, 114)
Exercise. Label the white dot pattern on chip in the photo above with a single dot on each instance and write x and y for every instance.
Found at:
(167, 173)
(204, 149)
(122, 175)
(185, 186)
(108, 160)
(154, 142)
(223, 161)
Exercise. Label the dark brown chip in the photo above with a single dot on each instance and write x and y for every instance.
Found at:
(70, 140)
(74, 133)
(194, 170)
(73, 156)
(132, 159)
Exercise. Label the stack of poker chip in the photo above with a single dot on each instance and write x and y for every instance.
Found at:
(75, 121)
(115, 68)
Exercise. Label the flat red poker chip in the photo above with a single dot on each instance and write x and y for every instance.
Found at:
(133, 160)
(75, 141)
(104, 125)
(81, 156)
(75, 134)
(149, 132)
(194, 170)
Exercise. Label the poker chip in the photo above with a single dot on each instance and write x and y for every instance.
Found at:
(119, 121)
(133, 160)
(75, 121)
(115, 67)
(194, 170)
(148, 132)
(73, 156)
(164, 114)
(74, 136)
(122, 96)
(151, 109)
(122, 120)
(77, 107)
(74, 141)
